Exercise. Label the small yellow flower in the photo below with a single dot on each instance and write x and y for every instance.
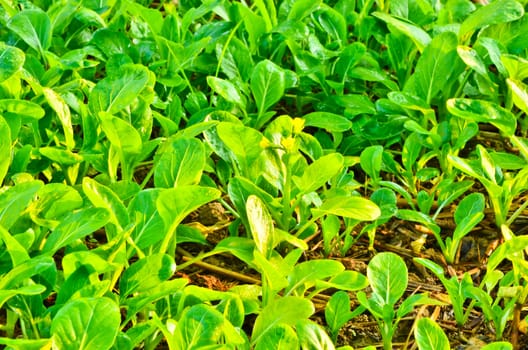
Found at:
(298, 125)
(288, 143)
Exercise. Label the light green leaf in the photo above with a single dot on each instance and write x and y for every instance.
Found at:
(227, 90)
(280, 337)
(371, 160)
(261, 225)
(21, 108)
(435, 67)
(429, 335)
(148, 223)
(5, 147)
(114, 129)
(357, 208)
(25, 270)
(145, 274)
(103, 197)
(469, 206)
(63, 112)
(313, 336)
(174, 204)
(75, 226)
(305, 274)
(201, 325)
(483, 112)
(493, 13)
(34, 27)
(319, 172)
(286, 310)
(11, 60)
(387, 274)
(267, 84)
(115, 92)
(179, 162)
(16, 199)
(328, 121)
(86, 324)
(420, 37)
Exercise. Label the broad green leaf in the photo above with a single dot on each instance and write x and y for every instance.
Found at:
(201, 326)
(435, 68)
(313, 336)
(11, 60)
(111, 42)
(429, 335)
(63, 112)
(114, 129)
(416, 216)
(227, 90)
(352, 207)
(75, 226)
(387, 274)
(286, 310)
(86, 324)
(174, 204)
(345, 280)
(21, 108)
(507, 250)
(16, 251)
(328, 121)
(25, 270)
(499, 345)
(5, 147)
(148, 223)
(34, 27)
(267, 84)
(469, 206)
(26, 344)
(420, 37)
(472, 59)
(103, 197)
(116, 92)
(244, 143)
(179, 162)
(305, 274)
(145, 274)
(317, 174)
(261, 225)
(15, 200)
(493, 13)
(302, 8)
(337, 311)
(280, 337)
(239, 190)
(519, 92)
(371, 160)
(483, 112)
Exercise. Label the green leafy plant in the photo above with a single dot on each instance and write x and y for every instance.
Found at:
(387, 275)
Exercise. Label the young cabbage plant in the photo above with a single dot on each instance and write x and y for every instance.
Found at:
(388, 278)
(502, 187)
(430, 336)
(469, 212)
(459, 290)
